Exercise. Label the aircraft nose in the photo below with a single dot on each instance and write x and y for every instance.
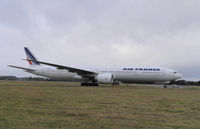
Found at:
(179, 76)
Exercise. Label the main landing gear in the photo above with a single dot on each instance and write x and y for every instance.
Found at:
(89, 84)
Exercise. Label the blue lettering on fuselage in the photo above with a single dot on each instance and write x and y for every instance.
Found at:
(141, 69)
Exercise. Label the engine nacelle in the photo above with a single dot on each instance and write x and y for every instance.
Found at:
(105, 78)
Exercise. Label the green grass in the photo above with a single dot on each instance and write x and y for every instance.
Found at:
(61, 105)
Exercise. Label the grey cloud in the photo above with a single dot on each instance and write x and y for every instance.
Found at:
(103, 33)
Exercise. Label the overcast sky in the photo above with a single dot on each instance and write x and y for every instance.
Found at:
(102, 33)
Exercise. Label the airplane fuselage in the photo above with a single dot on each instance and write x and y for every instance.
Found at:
(124, 74)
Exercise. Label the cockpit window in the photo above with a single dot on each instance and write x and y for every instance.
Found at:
(175, 72)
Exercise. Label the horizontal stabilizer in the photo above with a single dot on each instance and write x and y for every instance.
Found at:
(31, 70)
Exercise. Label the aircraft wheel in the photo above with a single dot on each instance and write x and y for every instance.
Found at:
(83, 84)
(89, 84)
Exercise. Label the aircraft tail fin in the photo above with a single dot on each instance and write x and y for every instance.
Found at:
(30, 57)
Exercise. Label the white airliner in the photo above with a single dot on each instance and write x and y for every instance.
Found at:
(95, 77)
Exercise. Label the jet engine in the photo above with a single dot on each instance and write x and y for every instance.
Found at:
(105, 78)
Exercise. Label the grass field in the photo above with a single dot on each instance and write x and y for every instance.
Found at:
(41, 105)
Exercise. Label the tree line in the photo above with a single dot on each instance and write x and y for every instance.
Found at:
(178, 82)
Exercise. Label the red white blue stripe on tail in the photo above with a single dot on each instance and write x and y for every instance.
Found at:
(30, 57)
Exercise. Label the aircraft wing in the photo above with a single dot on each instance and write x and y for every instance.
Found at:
(26, 69)
(81, 72)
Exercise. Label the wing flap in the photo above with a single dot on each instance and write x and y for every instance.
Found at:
(81, 72)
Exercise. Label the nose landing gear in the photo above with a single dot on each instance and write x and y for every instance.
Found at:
(165, 86)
